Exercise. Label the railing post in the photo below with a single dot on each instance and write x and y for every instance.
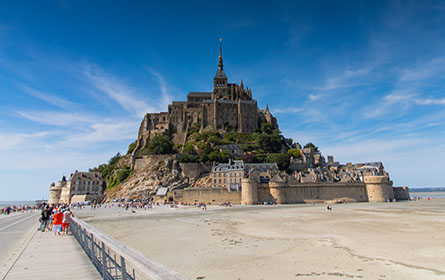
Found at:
(93, 250)
(123, 269)
(104, 260)
(87, 243)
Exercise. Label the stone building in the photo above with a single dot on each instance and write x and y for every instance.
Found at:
(229, 107)
(82, 186)
(229, 175)
(234, 150)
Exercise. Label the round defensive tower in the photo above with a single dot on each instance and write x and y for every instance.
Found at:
(277, 192)
(379, 188)
(249, 191)
(54, 194)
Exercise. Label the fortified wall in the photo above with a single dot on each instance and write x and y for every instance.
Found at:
(286, 190)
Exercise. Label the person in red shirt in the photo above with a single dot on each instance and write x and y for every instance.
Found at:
(57, 222)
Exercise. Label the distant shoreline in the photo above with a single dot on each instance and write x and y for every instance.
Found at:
(438, 189)
(17, 203)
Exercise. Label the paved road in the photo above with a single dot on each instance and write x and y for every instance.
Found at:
(15, 232)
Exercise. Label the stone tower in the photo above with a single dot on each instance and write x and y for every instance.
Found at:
(54, 194)
(249, 189)
(379, 188)
(220, 86)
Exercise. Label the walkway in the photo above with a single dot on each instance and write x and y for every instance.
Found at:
(52, 257)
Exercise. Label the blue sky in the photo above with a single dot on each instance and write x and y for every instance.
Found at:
(363, 80)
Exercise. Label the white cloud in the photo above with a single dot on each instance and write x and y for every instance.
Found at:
(397, 103)
(430, 101)
(315, 97)
(166, 98)
(57, 118)
(425, 70)
(48, 98)
(348, 78)
(288, 110)
(12, 140)
(104, 132)
(117, 90)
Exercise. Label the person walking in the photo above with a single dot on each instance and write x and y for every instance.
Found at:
(66, 220)
(57, 222)
(44, 218)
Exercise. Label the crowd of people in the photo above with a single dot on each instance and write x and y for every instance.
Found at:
(7, 210)
(55, 218)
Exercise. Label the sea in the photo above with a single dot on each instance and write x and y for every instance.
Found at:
(17, 203)
(426, 195)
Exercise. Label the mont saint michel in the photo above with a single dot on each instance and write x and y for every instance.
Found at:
(244, 140)
(219, 147)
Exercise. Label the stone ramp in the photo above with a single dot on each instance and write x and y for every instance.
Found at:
(52, 257)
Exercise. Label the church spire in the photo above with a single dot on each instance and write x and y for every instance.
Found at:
(220, 59)
(220, 77)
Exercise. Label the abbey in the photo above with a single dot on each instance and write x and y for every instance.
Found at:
(229, 107)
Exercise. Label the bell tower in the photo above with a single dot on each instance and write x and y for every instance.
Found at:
(220, 87)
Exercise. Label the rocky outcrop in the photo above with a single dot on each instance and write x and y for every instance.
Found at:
(160, 171)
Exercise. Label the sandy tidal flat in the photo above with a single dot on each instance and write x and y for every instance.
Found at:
(404, 240)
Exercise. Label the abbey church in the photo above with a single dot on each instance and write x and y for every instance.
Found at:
(229, 107)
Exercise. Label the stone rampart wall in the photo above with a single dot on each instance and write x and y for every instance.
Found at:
(210, 195)
(301, 193)
(401, 193)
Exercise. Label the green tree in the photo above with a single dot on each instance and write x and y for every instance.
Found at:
(269, 143)
(131, 147)
(282, 160)
(294, 153)
(189, 149)
(266, 128)
(188, 158)
(123, 174)
(219, 156)
(120, 176)
(114, 159)
(311, 145)
(160, 144)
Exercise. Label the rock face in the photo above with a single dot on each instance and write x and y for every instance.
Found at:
(155, 172)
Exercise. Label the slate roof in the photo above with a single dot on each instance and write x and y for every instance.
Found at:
(162, 191)
(240, 165)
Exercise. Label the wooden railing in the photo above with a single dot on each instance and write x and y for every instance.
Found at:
(115, 260)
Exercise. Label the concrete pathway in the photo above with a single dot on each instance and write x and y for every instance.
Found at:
(15, 233)
(52, 257)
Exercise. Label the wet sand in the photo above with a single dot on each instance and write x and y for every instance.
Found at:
(403, 240)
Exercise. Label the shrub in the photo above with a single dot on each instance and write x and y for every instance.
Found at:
(294, 153)
(282, 160)
(131, 147)
(311, 145)
(160, 144)
(114, 159)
